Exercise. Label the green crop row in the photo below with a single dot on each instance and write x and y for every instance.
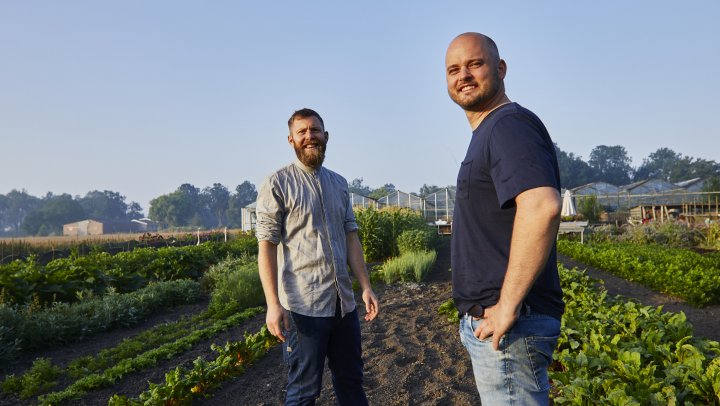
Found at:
(68, 279)
(181, 385)
(675, 271)
(144, 360)
(29, 327)
(234, 285)
(620, 352)
(614, 351)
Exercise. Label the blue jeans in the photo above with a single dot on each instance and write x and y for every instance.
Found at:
(517, 373)
(308, 342)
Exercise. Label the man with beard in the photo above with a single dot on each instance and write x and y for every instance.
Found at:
(507, 212)
(307, 237)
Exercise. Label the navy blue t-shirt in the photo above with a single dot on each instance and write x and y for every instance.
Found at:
(510, 152)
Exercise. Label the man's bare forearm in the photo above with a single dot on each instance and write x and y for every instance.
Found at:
(534, 230)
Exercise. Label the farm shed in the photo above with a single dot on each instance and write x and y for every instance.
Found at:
(95, 227)
(248, 217)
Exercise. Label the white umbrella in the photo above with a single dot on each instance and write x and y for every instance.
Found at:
(568, 207)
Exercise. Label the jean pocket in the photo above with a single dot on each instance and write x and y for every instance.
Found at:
(540, 352)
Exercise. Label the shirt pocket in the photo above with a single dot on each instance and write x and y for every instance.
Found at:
(463, 180)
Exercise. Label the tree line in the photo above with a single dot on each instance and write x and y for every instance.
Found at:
(612, 164)
(24, 214)
(217, 206)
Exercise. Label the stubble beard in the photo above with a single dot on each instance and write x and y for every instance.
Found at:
(312, 158)
(480, 101)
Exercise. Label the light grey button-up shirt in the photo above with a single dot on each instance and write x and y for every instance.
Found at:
(307, 214)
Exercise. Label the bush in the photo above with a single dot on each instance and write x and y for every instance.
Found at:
(235, 285)
(416, 240)
(670, 233)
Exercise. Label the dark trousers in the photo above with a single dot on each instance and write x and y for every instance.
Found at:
(308, 342)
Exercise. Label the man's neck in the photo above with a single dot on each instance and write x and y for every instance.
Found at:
(477, 117)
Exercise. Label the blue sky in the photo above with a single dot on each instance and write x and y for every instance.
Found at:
(139, 97)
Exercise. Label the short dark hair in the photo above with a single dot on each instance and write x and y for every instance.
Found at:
(305, 113)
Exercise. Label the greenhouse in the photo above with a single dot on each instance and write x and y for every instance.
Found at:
(362, 201)
(437, 208)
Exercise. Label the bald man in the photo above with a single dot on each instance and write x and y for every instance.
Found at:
(507, 212)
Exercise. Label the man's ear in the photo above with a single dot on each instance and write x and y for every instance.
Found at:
(327, 136)
(502, 69)
(290, 139)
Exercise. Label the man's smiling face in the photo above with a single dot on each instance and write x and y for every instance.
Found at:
(308, 138)
(474, 73)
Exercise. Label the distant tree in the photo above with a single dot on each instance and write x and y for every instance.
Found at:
(178, 208)
(245, 193)
(218, 198)
(701, 168)
(426, 190)
(54, 211)
(3, 210)
(611, 164)
(134, 211)
(105, 205)
(169, 210)
(18, 204)
(573, 170)
(671, 166)
(357, 187)
(382, 191)
(712, 184)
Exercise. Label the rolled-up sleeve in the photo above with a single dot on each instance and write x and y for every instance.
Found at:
(269, 210)
(350, 224)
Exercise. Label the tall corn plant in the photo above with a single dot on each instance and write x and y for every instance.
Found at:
(372, 233)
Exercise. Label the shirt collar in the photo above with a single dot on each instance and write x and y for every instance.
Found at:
(306, 168)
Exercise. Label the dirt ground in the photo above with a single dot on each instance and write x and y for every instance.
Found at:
(412, 355)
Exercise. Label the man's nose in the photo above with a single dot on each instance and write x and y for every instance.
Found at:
(311, 135)
(464, 72)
